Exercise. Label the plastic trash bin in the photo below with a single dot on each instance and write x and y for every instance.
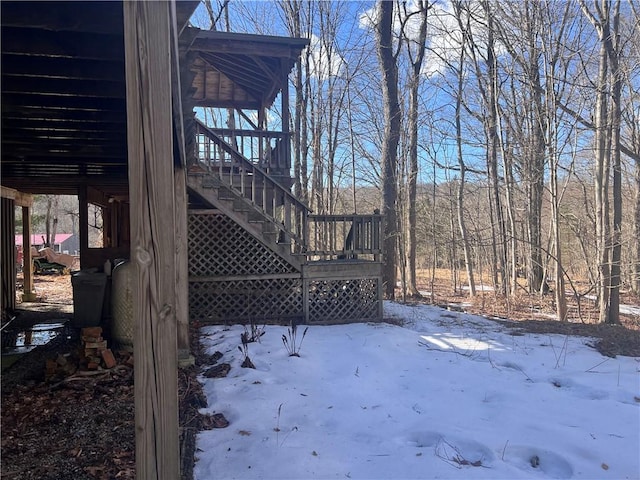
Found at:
(88, 298)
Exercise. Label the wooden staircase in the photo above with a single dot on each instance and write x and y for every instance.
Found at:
(257, 254)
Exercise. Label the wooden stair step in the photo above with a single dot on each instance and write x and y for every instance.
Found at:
(225, 193)
(242, 206)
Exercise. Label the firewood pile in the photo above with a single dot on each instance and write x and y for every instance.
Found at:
(93, 357)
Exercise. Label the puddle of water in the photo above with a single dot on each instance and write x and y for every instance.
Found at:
(18, 342)
(46, 326)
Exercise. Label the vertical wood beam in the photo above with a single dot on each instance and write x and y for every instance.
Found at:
(26, 255)
(306, 285)
(8, 253)
(147, 35)
(182, 274)
(284, 95)
(83, 224)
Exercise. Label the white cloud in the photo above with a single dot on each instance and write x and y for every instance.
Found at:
(444, 40)
(326, 61)
(444, 37)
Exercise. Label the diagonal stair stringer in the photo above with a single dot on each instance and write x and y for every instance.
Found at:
(250, 217)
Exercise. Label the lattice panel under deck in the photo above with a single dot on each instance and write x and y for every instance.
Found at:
(266, 300)
(219, 247)
(343, 301)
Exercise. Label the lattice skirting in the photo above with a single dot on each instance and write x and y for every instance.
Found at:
(343, 301)
(218, 247)
(282, 301)
(240, 301)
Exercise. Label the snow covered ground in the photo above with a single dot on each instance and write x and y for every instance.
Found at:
(447, 395)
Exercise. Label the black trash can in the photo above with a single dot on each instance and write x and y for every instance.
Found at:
(88, 298)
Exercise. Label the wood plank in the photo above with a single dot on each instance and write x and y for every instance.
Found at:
(337, 269)
(98, 17)
(66, 184)
(26, 252)
(26, 41)
(64, 87)
(55, 115)
(69, 104)
(83, 224)
(64, 125)
(7, 254)
(235, 278)
(21, 199)
(182, 264)
(150, 139)
(43, 155)
(57, 67)
(245, 44)
(12, 135)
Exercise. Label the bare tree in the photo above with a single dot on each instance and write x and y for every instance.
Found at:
(460, 73)
(51, 220)
(606, 21)
(389, 69)
(297, 18)
(488, 87)
(415, 50)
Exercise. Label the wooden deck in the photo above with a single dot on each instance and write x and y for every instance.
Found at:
(258, 254)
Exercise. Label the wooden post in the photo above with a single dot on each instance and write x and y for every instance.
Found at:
(8, 253)
(286, 154)
(147, 35)
(182, 268)
(83, 224)
(28, 295)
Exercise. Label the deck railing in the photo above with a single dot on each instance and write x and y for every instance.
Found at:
(266, 149)
(246, 162)
(336, 237)
(253, 183)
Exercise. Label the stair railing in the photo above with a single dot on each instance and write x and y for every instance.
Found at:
(262, 148)
(255, 185)
(340, 237)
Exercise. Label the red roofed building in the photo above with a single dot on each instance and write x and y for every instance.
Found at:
(63, 242)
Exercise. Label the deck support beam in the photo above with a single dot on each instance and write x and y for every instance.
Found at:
(28, 294)
(148, 45)
(182, 271)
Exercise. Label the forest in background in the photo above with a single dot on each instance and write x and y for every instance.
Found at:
(497, 137)
(53, 214)
(500, 139)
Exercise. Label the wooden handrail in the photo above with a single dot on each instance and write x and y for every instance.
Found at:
(253, 184)
(344, 237)
(317, 237)
(261, 147)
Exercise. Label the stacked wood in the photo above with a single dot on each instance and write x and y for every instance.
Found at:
(62, 365)
(92, 357)
(95, 353)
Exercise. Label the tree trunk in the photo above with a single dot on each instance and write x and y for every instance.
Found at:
(413, 146)
(636, 229)
(389, 70)
(613, 47)
(47, 222)
(492, 153)
(601, 180)
(463, 168)
(292, 15)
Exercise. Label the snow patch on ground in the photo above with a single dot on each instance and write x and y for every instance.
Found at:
(445, 395)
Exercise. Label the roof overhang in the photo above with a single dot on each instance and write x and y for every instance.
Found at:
(244, 71)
